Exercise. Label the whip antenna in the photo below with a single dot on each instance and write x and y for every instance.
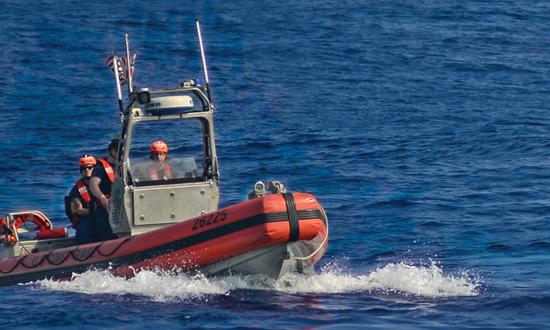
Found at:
(204, 62)
(202, 52)
(117, 80)
(129, 65)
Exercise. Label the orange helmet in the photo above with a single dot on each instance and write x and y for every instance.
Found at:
(159, 146)
(87, 160)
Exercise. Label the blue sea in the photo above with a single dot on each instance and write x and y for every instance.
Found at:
(422, 127)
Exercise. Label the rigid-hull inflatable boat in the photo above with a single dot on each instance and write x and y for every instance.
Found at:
(271, 235)
(172, 223)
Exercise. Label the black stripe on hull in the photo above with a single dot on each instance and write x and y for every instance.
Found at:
(293, 217)
(130, 259)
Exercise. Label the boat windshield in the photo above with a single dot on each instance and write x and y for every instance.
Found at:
(184, 161)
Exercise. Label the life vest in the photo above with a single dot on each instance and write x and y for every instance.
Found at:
(165, 168)
(108, 169)
(9, 229)
(86, 197)
(83, 191)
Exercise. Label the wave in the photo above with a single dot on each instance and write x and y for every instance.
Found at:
(392, 279)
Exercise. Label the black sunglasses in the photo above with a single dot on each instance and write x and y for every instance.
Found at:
(86, 167)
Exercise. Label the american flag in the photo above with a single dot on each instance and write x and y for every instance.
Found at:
(111, 64)
(122, 67)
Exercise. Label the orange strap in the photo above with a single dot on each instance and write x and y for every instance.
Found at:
(108, 169)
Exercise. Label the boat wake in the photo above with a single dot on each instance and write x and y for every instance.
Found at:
(399, 279)
(156, 285)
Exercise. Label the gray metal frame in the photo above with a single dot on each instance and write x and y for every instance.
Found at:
(138, 209)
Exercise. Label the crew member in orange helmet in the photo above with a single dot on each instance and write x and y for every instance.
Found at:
(79, 204)
(160, 169)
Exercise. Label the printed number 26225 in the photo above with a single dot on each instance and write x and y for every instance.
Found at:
(209, 219)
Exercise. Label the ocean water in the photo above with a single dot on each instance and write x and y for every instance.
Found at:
(421, 126)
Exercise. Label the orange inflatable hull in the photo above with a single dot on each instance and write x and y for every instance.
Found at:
(194, 244)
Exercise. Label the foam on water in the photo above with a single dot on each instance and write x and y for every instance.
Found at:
(394, 278)
(159, 286)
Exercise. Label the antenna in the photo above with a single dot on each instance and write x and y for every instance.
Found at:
(117, 80)
(202, 52)
(204, 62)
(129, 64)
